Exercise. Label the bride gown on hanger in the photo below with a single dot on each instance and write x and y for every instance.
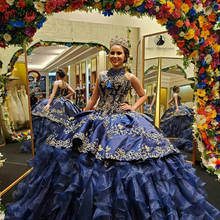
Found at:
(110, 164)
(46, 122)
(24, 101)
(14, 109)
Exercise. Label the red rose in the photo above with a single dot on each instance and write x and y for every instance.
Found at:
(202, 70)
(149, 4)
(50, 6)
(176, 13)
(185, 51)
(192, 44)
(108, 7)
(9, 14)
(3, 6)
(30, 16)
(130, 2)
(21, 4)
(2, 44)
(188, 2)
(180, 43)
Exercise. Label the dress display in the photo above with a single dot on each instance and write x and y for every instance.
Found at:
(46, 122)
(16, 111)
(179, 125)
(109, 164)
(24, 100)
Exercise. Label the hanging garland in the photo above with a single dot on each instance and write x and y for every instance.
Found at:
(193, 25)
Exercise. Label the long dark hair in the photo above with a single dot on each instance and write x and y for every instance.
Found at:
(127, 53)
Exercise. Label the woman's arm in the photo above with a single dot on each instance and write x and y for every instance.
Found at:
(176, 102)
(139, 90)
(71, 92)
(55, 86)
(95, 95)
(170, 101)
(153, 101)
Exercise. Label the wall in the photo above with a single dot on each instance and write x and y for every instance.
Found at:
(56, 29)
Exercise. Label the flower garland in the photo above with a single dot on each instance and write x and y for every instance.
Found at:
(193, 25)
(51, 43)
(21, 136)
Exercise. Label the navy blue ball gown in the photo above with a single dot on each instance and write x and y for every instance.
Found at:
(46, 122)
(179, 125)
(109, 164)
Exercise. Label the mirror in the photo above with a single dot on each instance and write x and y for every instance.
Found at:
(80, 63)
(171, 76)
(175, 125)
(15, 127)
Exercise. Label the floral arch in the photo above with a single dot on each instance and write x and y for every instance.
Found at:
(193, 25)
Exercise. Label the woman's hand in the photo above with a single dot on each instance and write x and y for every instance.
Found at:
(47, 107)
(150, 109)
(125, 107)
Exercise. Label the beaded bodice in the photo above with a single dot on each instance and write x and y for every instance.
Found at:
(113, 89)
(61, 92)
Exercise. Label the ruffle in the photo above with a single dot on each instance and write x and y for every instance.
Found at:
(67, 185)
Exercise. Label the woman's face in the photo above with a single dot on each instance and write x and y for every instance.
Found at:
(117, 56)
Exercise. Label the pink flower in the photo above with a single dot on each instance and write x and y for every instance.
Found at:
(187, 22)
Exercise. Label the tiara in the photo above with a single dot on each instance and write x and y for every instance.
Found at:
(119, 41)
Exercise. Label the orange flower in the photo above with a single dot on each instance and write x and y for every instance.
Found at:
(212, 17)
(178, 3)
(179, 23)
(180, 43)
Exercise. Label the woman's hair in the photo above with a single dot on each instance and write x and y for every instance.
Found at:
(175, 88)
(126, 52)
(61, 73)
(155, 88)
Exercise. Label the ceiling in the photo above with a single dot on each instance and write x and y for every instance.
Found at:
(48, 59)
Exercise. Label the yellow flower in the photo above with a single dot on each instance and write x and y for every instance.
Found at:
(171, 6)
(202, 126)
(212, 114)
(200, 101)
(205, 34)
(185, 8)
(162, 21)
(97, 5)
(202, 21)
(162, 2)
(137, 3)
(200, 92)
(190, 34)
(216, 48)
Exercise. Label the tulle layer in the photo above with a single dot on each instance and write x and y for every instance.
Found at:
(67, 185)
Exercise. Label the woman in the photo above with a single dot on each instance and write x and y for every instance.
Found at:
(47, 115)
(114, 163)
(150, 109)
(177, 121)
